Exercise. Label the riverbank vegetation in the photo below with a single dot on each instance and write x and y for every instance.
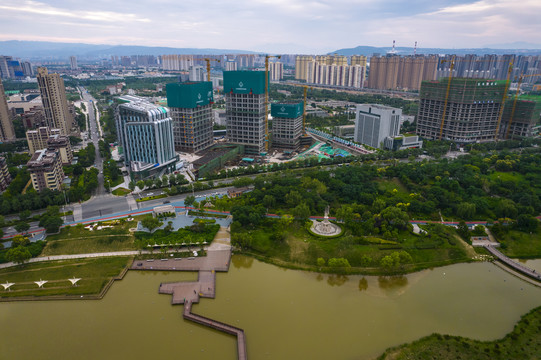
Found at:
(524, 342)
(94, 273)
(375, 202)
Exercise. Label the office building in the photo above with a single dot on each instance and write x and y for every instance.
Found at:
(190, 105)
(7, 132)
(520, 122)
(286, 125)
(197, 73)
(5, 177)
(245, 109)
(55, 103)
(10, 68)
(61, 144)
(374, 123)
(472, 111)
(145, 133)
(45, 167)
(73, 63)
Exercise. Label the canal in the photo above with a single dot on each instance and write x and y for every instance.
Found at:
(286, 314)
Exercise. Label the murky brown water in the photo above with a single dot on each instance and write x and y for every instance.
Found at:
(286, 314)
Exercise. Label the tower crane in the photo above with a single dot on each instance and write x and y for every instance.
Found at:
(520, 79)
(208, 60)
(306, 88)
(267, 57)
(451, 67)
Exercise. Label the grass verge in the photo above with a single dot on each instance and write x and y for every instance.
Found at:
(95, 274)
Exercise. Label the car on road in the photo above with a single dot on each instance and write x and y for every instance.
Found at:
(166, 202)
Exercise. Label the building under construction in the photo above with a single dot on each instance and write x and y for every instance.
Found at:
(245, 109)
(190, 104)
(287, 125)
(520, 117)
(471, 114)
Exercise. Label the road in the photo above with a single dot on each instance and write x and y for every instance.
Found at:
(95, 135)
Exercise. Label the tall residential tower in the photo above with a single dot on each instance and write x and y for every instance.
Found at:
(6, 125)
(55, 103)
(190, 104)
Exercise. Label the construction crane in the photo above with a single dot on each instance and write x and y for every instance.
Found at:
(451, 67)
(504, 98)
(520, 79)
(208, 60)
(267, 57)
(306, 87)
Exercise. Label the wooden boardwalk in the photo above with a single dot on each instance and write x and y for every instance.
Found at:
(513, 264)
(188, 292)
(220, 326)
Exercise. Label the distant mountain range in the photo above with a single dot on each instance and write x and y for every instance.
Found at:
(370, 50)
(57, 50)
(62, 51)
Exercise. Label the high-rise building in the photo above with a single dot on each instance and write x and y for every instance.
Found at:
(358, 60)
(7, 132)
(286, 125)
(520, 122)
(245, 109)
(5, 177)
(276, 70)
(301, 66)
(472, 111)
(55, 103)
(73, 63)
(61, 143)
(230, 65)
(145, 133)
(45, 167)
(37, 139)
(10, 68)
(401, 72)
(27, 68)
(374, 123)
(197, 73)
(190, 105)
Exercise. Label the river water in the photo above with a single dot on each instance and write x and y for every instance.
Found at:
(286, 314)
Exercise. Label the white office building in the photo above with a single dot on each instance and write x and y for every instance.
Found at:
(373, 123)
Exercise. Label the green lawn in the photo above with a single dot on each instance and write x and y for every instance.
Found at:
(520, 244)
(77, 240)
(506, 176)
(524, 342)
(121, 191)
(94, 274)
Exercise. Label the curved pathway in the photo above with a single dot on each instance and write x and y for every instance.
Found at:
(513, 264)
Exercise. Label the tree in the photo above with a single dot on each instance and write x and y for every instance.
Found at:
(151, 223)
(24, 215)
(131, 185)
(320, 262)
(339, 262)
(527, 223)
(302, 211)
(463, 230)
(18, 254)
(189, 200)
(51, 223)
(466, 210)
(269, 201)
(22, 227)
(19, 240)
(141, 184)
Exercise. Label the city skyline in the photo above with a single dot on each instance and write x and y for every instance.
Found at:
(293, 26)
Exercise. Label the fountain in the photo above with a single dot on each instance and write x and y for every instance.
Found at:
(325, 227)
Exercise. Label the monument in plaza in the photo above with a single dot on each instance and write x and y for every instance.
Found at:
(325, 227)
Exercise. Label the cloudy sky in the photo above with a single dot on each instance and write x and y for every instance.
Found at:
(286, 26)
